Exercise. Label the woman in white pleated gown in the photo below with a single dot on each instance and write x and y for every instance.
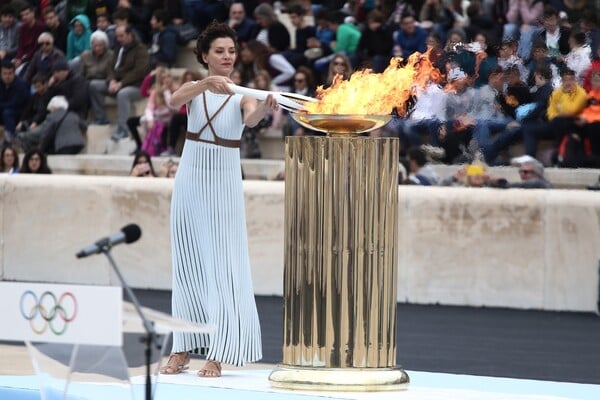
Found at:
(211, 270)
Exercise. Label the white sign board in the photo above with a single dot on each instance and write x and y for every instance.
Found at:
(50, 313)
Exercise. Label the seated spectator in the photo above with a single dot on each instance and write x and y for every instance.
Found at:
(470, 175)
(45, 58)
(580, 147)
(9, 160)
(78, 39)
(65, 82)
(462, 104)
(304, 84)
(303, 33)
(245, 28)
(168, 169)
(157, 114)
(409, 38)
(104, 24)
(419, 171)
(425, 117)
(508, 58)
(29, 32)
(142, 165)
(63, 130)
(564, 105)
(539, 56)
(516, 92)
(98, 8)
(9, 33)
(523, 22)
(595, 66)
(531, 172)
(376, 42)
(347, 37)
(579, 57)
(34, 114)
(554, 35)
(35, 162)
(319, 45)
(131, 66)
(340, 67)
(96, 64)
(14, 95)
(138, 14)
(163, 50)
(250, 147)
(56, 28)
(260, 57)
(438, 15)
(589, 26)
(271, 31)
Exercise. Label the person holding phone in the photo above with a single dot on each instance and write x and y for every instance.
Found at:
(142, 165)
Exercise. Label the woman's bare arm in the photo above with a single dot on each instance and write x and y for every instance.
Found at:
(189, 90)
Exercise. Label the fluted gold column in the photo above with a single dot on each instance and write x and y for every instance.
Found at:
(340, 278)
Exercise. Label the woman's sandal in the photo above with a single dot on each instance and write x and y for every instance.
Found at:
(212, 369)
(177, 363)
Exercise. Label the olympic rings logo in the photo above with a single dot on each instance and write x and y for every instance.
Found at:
(48, 312)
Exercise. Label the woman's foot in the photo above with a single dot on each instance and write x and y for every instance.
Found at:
(177, 363)
(211, 369)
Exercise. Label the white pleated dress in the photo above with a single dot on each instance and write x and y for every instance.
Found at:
(212, 280)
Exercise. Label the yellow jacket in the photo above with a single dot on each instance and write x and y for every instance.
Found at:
(563, 103)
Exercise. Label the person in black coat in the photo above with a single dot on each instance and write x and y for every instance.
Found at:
(163, 50)
(14, 95)
(376, 42)
(73, 86)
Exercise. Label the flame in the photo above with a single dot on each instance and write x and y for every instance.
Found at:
(368, 93)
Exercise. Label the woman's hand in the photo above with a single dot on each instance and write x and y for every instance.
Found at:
(217, 84)
(141, 170)
(189, 90)
(268, 104)
(254, 113)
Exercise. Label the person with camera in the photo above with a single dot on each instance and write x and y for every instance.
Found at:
(142, 165)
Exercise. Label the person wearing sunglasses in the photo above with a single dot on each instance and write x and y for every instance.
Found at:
(45, 58)
(531, 172)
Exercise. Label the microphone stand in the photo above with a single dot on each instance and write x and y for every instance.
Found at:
(151, 337)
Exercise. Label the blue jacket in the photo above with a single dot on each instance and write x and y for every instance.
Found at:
(164, 47)
(409, 44)
(14, 96)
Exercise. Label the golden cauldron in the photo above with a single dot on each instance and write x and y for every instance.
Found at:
(341, 124)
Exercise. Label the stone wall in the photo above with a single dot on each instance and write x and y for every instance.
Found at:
(479, 247)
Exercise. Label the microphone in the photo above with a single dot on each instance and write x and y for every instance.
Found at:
(128, 234)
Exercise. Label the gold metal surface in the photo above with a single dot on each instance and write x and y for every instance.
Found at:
(339, 379)
(341, 124)
(340, 276)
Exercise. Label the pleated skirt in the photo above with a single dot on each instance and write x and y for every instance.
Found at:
(212, 281)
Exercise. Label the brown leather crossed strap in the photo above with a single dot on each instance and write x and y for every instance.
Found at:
(219, 141)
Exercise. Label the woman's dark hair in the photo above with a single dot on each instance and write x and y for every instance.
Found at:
(143, 154)
(544, 71)
(213, 31)
(44, 169)
(260, 52)
(15, 164)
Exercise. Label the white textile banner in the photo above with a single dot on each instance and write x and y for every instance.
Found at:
(58, 313)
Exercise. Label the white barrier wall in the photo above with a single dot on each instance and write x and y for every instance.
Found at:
(480, 247)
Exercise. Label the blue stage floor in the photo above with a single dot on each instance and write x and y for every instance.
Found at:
(254, 385)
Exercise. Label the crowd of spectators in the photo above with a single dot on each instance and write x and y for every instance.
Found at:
(512, 71)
